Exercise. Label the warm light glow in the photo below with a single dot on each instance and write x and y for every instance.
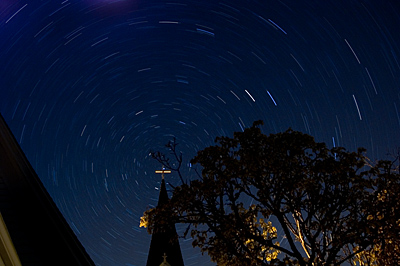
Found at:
(163, 171)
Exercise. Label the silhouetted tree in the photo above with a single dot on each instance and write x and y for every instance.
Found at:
(285, 199)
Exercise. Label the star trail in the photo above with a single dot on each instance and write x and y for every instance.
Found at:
(91, 87)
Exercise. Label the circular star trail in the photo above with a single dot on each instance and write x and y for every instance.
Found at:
(90, 87)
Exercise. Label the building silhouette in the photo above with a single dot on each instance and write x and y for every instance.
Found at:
(164, 247)
(33, 231)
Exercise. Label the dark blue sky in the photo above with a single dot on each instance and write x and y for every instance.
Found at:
(90, 87)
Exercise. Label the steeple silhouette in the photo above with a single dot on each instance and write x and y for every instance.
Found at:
(164, 241)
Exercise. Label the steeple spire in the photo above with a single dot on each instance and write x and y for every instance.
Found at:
(164, 241)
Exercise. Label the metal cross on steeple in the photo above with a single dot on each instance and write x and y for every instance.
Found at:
(162, 172)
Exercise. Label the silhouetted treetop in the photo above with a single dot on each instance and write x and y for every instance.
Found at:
(285, 199)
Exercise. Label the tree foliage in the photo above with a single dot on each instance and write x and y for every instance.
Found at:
(382, 207)
(284, 199)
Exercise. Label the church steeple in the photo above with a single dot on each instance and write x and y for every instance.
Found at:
(164, 241)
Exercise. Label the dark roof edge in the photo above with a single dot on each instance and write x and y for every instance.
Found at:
(45, 198)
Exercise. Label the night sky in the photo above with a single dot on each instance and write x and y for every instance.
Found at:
(90, 87)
